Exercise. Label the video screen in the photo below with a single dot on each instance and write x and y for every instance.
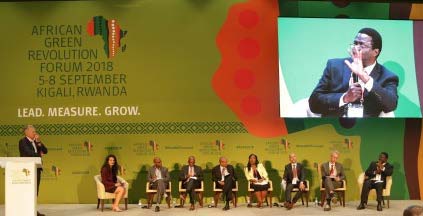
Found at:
(349, 67)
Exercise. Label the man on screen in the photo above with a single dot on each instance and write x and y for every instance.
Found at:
(31, 146)
(356, 86)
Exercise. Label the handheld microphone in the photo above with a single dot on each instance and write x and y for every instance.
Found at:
(355, 78)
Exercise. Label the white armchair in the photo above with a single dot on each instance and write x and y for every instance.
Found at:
(102, 194)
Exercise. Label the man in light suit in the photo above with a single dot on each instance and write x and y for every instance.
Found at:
(332, 175)
(158, 176)
(191, 176)
(225, 177)
(375, 178)
(356, 80)
(31, 146)
(294, 176)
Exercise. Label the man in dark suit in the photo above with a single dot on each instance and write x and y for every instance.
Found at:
(191, 176)
(332, 176)
(294, 176)
(31, 146)
(375, 178)
(225, 177)
(345, 84)
(158, 176)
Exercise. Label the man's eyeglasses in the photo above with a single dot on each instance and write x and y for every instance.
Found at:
(361, 45)
(358, 46)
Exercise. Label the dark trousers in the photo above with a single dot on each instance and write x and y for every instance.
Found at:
(367, 186)
(39, 170)
(289, 187)
(227, 187)
(191, 185)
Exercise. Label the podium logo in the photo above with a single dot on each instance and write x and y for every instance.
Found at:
(56, 170)
(87, 145)
(285, 143)
(154, 146)
(20, 176)
(220, 145)
(111, 33)
(27, 172)
(349, 143)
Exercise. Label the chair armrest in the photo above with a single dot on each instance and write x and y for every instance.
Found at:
(101, 191)
(283, 184)
(387, 190)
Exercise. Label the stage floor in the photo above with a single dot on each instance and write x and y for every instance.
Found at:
(396, 208)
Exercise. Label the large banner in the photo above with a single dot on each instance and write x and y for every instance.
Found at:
(171, 79)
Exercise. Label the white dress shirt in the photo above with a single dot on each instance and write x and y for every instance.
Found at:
(368, 86)
(33, 144)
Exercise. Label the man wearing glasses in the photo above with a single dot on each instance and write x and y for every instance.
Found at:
(356, 86)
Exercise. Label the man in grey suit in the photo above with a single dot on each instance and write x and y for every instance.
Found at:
(158, 176)
(332, 175)
(191, 176)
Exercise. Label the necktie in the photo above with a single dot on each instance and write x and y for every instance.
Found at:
(158, 173)
(223, 173)
(331, 169)
(294, 171)
(35, 147)
(191, 171)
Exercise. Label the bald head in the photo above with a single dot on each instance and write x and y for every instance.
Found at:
(223, 161)
(157, 162)
(293, 158)
(413, 210)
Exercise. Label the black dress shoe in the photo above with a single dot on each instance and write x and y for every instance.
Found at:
(290, 205)
(39, 214)
(327, 207)
(157, 209)
(379, 207)
(361, 206)
(226, 208)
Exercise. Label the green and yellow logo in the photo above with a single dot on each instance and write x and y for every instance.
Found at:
(111, 33)
(88, 146)
(348, 142)
(26, 171)
(56, 170)
(154, 146)
(220, 145)
(286, 144)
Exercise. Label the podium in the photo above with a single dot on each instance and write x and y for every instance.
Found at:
(21, 184)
